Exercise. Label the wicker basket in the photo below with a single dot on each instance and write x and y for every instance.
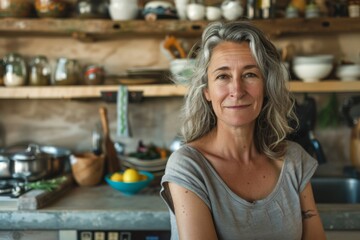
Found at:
(87, 168)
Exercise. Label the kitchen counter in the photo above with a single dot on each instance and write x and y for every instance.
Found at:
(102, 207)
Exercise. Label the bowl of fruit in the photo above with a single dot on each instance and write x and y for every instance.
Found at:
(130, 181)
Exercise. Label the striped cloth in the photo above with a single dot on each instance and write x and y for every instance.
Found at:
(122, 112)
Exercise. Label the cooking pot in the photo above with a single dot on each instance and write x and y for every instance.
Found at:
(30, 164)
(5, 166)
(59, 158)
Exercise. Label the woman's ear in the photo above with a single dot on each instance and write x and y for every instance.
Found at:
(206, 94)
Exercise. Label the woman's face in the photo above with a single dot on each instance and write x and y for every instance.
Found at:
(235, 84)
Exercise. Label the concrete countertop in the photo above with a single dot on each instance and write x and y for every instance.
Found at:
(99, 207)
(102, 207)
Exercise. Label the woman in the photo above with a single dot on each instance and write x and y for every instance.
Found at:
(236, 176)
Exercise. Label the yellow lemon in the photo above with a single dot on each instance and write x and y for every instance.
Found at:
(118, 177)
(131, 175)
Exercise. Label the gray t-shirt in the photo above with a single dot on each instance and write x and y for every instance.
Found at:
(278, 216)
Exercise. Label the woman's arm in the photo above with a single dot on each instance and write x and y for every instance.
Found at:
(193, 217)
(312, 226)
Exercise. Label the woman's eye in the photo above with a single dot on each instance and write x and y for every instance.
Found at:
(249, 75)
(222, 76)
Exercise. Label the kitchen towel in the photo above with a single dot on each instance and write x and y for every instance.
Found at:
(122, 112)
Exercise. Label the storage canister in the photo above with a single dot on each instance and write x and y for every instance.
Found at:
(67, 72)
(40, 71)
(15, 70)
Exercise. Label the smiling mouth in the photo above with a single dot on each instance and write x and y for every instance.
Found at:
(238, 106)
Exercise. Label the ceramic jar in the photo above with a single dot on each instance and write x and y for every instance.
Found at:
(67, 72)
(40, 71)
(92, 9)
(231, 9)
(51, 8)
(15, 70)
(123, 9)
(16, 8)
(195, 10)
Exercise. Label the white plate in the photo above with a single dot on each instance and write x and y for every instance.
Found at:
(144, 163)
(142, 168)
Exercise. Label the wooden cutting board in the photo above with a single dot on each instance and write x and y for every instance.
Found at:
(36, 199)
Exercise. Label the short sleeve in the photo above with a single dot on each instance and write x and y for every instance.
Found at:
(303, 165)
(185, 168)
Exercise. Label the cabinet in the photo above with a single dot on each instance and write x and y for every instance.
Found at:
(97, 30)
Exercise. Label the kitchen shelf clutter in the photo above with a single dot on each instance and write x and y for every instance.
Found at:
(79, 28)
(154, 90)
(101, 28)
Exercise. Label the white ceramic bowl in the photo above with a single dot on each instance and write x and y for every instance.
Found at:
(313, 68)
(312, 72)
(213, 13)
(195, 11)
(326, 58)
(182, 69)
(348, 72)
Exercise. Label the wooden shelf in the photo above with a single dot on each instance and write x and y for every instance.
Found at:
(76, 92)
(161, 90)
(86, 28)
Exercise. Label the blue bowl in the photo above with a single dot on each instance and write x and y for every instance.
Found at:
(132, 187)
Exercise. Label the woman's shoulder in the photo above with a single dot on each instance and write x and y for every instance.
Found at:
(297, 156)
(186, 154)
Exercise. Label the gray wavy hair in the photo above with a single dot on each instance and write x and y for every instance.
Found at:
(272, 124)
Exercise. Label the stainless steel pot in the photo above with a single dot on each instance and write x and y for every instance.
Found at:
(5, 166)
(59, 158)
(31, 164)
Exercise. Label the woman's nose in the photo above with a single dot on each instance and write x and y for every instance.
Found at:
(237, 88)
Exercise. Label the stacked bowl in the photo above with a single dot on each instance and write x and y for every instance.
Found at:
(313, 68)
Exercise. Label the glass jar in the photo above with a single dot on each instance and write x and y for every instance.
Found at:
(15, 70)
(67, 72)
(94, 75)
(92, 9)
(40, 71)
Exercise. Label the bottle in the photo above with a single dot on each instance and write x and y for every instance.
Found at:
(250, 9)
(40, 71)
(354, 8)
(268, 8)
(15, 70)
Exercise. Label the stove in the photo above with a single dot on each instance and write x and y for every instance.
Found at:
(11, 189)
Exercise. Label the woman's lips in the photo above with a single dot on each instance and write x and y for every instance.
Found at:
(238, 106)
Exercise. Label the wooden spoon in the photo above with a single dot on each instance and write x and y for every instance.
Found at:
(111, 158)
